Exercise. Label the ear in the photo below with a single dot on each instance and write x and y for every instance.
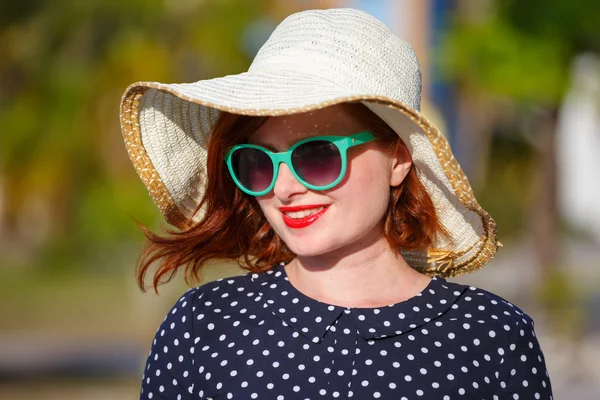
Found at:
(401, 162)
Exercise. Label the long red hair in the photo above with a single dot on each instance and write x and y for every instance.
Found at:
(234, 228)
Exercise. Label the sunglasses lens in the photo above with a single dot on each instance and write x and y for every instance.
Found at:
(318, 162)
(252, 168)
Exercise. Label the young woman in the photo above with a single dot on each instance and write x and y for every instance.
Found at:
(316, 171)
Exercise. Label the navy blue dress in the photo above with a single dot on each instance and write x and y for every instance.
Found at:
(257, 337)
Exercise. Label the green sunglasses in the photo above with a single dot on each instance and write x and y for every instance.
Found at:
(318, 163)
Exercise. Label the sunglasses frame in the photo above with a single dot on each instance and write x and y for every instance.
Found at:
(343, 143)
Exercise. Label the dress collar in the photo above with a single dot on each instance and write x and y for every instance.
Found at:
(313, 319)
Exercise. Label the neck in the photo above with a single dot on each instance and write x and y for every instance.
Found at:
(368, 275)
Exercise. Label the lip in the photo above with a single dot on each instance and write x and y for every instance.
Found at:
(297, 223)
(301, 208)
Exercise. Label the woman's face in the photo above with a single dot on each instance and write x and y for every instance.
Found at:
(354, 209)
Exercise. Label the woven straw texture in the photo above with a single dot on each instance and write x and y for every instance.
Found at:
(313, 59)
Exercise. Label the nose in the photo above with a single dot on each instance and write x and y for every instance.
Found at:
(286, 184)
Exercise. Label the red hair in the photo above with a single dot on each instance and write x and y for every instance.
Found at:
(234, 228)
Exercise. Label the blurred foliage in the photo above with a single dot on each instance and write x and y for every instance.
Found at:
(563, 301)
(65, 177)
(496, 58)
(518, 49)
(507, 194)
(517, 53)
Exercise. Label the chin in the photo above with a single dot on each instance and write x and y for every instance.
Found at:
(308, 246)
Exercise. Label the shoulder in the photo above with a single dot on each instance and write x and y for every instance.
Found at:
(199, 315)
(479, 308)
(484, 321)
(202, 308)
(505, 335)
(479, 302)
(219, 294)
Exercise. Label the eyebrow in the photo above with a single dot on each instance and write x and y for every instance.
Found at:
(266, 147)
(273, 149)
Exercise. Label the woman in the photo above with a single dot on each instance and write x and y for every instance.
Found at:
(316, 171)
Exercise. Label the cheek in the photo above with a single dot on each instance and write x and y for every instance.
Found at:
(370, 172)
(270, 210)
(366, 184)
(264, 201)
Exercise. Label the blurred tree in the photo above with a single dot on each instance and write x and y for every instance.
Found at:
(519, 52)
(67, 181)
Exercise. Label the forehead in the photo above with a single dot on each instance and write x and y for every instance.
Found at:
(283, 131)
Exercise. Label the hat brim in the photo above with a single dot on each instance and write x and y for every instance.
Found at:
(166, 128)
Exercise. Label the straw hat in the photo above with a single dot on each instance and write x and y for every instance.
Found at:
(313, 59)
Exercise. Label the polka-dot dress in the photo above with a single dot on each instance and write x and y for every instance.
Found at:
(257, 337)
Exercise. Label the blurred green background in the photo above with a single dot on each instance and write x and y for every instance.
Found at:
(502, 76)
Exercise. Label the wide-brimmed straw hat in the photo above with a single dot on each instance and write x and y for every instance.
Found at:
(313, 59)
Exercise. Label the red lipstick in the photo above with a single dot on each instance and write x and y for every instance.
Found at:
(297, 223)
